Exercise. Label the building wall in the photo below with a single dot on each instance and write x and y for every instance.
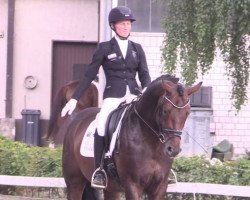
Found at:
(224, 122)
(151, 43)
(37, 24)
(227, 124)
(3, 54)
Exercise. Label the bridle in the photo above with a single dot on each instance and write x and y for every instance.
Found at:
(161, 134)
(179, 107)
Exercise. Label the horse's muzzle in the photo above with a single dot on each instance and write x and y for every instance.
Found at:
(172, 151)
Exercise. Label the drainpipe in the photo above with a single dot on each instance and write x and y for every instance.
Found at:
(104, 35)
(9, 70)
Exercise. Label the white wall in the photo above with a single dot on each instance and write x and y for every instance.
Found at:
(3, 54)
(225, 123)
(151, 43)
(37, 24)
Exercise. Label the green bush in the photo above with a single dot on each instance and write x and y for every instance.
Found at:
(14, 157)
(201, 169)
(18, 159)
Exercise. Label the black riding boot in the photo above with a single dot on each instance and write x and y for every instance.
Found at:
(99, 176)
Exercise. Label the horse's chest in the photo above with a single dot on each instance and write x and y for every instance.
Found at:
(153, 173)
(152, 180)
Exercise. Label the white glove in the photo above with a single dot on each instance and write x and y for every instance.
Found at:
(130, 98)
(69, 107)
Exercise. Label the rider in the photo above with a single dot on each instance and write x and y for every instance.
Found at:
(121, 59)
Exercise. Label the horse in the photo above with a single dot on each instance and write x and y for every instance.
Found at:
(148, 142)
(55, 132)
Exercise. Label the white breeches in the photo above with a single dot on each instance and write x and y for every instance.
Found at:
(110, 104)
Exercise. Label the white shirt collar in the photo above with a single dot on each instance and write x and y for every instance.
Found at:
(123, 44)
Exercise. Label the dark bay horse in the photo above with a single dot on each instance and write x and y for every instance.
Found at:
(55, 132)
(149, 140)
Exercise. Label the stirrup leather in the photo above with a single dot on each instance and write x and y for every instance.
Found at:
(106, 179)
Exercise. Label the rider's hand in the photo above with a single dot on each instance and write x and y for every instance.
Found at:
(130, 98)
(69, 107)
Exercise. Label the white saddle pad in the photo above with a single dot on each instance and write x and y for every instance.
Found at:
(87, 145)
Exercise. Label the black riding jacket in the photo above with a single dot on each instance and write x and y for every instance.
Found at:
(119, 72)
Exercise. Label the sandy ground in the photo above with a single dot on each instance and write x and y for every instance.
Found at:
(8, 197)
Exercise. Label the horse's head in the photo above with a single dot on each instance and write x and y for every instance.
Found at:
(163, 108)
(172, 111)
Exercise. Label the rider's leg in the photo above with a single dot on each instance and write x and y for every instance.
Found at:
(109, 104)
(98, 179)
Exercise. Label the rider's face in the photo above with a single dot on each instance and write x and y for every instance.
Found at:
(123, 28)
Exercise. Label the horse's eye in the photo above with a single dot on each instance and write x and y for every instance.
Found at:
(165, 112)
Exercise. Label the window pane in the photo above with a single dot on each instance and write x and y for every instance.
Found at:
(157, 14)
(147, 19)
(122, 2)
(140, 10)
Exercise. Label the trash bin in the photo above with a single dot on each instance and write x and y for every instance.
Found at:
(30, 127)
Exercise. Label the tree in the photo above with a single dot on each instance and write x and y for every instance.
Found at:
(196, 29)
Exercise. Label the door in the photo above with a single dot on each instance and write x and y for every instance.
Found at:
(69, 62)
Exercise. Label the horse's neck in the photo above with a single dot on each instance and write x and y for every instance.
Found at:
(148, 102)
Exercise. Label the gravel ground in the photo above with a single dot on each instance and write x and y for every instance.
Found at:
(9, 197)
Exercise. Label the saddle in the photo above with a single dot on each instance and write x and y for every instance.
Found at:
(112, 122)
(111, 125)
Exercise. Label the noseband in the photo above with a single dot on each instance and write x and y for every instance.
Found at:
(161, 134)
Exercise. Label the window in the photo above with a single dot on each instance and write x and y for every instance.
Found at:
(202, 98)
(148, 14)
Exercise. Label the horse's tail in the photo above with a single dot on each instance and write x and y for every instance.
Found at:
(55, 112)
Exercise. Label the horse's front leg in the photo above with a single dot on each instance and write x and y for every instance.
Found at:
(75, 191)
(132, 191)
(158, 194)
(112, 195)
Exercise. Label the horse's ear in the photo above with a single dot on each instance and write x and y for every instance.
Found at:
(168, 86)
(194, 88)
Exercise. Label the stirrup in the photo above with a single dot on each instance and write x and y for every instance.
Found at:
(172, 180)
(106, 179)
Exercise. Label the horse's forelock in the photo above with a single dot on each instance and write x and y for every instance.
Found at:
(180, 89)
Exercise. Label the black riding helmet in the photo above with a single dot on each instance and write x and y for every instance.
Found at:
(120, 13)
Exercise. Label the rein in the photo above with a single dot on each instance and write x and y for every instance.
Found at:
(171, 131)
(160, 135)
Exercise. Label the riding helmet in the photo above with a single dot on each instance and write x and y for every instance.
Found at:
(120, 13)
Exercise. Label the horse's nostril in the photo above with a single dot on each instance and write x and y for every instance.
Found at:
(170, 150)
